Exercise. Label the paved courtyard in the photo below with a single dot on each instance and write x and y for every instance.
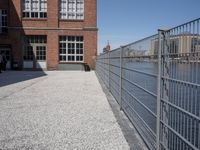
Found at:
(56, 110)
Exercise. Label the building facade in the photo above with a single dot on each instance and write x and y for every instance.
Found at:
(183, 43)
(48, 34)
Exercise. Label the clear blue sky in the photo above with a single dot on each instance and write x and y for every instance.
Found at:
(125, 21)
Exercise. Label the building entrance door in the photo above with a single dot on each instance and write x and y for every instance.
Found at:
(5, 50)
(40, 53)
(28, 57)
(35, 56)
(35, 52)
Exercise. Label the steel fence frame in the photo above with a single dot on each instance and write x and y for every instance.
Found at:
(159, 92)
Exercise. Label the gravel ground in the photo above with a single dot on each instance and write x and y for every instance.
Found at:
(56, 110)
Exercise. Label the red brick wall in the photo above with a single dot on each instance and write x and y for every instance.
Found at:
(17, 46)
(52, 50)
(13, 38)
(15, 13)
(52, 13)
(3, 4)
(90, 13)
(90, 47)
(52, 27)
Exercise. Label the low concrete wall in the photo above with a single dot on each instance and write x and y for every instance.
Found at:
(78, 67)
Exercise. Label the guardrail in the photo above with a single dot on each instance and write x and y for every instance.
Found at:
(156, 82)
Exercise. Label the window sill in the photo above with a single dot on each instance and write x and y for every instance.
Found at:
(34, 19)
(71, 62)
(71, 20)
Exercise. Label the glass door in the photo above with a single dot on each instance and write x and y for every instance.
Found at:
(40, 53)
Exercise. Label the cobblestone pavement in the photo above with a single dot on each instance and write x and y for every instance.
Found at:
(56, 110)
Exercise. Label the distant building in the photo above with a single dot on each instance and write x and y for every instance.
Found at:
(48, 34)
(183, 43)
(134, 53)
(107, 48)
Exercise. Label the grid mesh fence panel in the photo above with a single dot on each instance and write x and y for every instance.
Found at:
(170, 119)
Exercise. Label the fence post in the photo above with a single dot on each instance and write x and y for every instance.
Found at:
(158, 90)
(121, 62)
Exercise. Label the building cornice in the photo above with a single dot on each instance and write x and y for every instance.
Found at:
(90, 28)
(58, 29)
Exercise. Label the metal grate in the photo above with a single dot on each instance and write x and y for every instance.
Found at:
(156, 82)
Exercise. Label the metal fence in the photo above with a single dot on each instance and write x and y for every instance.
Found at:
(156, 82)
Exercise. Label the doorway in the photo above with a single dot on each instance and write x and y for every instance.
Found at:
(35, 52)
(6, 50)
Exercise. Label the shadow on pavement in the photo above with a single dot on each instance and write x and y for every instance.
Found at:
(12, 77)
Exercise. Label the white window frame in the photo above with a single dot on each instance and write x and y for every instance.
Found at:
(74, 14)
(75, 42)
(41, 53)
(39, 8)
(32, 42)
(1, 20)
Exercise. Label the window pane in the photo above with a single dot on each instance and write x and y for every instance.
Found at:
(37, 8)
(3, 21)
(43, 6)
(28, 53)
(81, 58)
(71, 9)
(72, 48)
(41, 53)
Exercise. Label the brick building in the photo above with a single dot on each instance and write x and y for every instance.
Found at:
(48, 34)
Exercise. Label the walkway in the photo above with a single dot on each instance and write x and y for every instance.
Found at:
(56, 110)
